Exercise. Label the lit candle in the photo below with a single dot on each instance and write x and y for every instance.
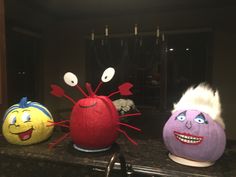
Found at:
(135, 29)
(92, 36)
(158, 32)
(163, 37)
(106, 31)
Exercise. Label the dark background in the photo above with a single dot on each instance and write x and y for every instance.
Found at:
(45, 39)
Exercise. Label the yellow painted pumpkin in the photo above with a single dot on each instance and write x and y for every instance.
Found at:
(25, 123)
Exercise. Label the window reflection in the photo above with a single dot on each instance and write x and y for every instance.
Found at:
(139, 60)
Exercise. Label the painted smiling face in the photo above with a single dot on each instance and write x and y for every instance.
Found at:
(26, 123)
(193, 135)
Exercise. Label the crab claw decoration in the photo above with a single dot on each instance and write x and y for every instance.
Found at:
(124, 89)
(57, 91)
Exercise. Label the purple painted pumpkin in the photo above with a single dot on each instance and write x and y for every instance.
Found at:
(194, 135)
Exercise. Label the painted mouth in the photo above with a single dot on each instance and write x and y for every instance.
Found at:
(25, 135)
(88, 106)
(188, 138)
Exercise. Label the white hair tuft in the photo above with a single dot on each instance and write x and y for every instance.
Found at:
(201, 98)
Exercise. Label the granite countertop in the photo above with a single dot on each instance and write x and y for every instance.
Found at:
(149, 156)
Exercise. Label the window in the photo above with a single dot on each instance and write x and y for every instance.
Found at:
(160, 70)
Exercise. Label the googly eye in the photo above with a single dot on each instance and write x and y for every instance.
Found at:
(70, 79)
(108, 74)
(25, 117)
(12, 119)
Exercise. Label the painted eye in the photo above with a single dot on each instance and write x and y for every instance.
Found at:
(25, 117)
(70, 79)
(200, 119)
(181, 117)
(12, 119)
(108, 74)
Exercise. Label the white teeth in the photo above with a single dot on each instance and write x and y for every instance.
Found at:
(188, 139)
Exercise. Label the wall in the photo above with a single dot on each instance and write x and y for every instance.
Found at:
(24, 13)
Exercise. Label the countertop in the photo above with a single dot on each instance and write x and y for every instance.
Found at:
(149, 157)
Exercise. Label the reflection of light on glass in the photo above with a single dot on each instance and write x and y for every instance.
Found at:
(187, 49)
(106, 30)
(171, 49)
(158, 32)
(92, 36)
(135, 29)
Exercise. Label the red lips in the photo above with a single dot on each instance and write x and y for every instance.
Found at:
(187, 138)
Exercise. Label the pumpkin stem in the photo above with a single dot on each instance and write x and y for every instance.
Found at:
(89, 88)
(23, 103)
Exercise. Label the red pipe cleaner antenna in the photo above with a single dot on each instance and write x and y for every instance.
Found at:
(81, 90)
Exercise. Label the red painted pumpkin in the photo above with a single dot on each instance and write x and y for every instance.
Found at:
(94, 124)
(92, 119)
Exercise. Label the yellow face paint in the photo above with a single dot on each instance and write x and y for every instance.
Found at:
(28, 125)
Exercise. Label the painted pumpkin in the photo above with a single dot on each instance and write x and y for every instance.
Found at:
(195, 137)
(94, 124)
(103, 126)
(26, 123)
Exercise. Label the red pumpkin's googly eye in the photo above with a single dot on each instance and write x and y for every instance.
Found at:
(70, 79)
(108, 74)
